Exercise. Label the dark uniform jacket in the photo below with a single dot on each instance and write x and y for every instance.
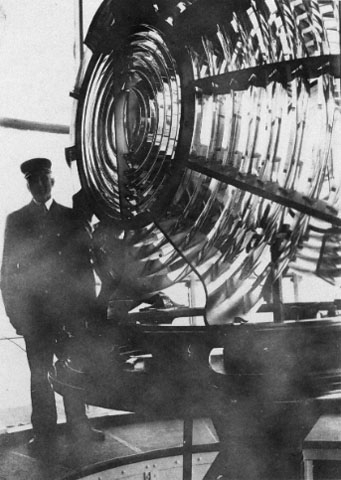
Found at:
(47, 280)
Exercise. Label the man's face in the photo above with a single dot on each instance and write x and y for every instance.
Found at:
(40, 185)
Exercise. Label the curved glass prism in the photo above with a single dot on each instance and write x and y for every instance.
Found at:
(209, 129)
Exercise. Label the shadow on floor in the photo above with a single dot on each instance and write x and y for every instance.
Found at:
(124, 438)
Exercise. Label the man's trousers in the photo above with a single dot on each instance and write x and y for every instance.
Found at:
(40, 351)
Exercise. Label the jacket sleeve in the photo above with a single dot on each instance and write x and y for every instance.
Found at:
(10, 276)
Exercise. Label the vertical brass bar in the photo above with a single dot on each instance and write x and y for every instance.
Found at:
(78, 21)
(277, 297)
(187, 444)
(340, 40)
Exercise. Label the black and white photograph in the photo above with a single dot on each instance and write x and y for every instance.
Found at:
(170, 239)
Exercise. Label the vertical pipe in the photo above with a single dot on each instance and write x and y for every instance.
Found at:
(340, 40)
(277, 301)
(277, 298)
(78, 20)
(296, 280)
(187, 445)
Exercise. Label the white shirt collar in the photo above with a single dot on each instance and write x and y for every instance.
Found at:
(47, 204)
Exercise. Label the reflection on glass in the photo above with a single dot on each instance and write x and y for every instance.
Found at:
(143, 111)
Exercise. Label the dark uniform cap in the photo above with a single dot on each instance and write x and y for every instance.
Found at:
(35, 165)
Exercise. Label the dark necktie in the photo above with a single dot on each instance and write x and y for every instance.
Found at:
(43, 209)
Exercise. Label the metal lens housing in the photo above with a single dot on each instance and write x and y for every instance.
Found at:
(205, 142)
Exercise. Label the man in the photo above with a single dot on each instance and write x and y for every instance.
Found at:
(48, 288)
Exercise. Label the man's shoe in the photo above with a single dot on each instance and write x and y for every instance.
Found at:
(84, 432)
